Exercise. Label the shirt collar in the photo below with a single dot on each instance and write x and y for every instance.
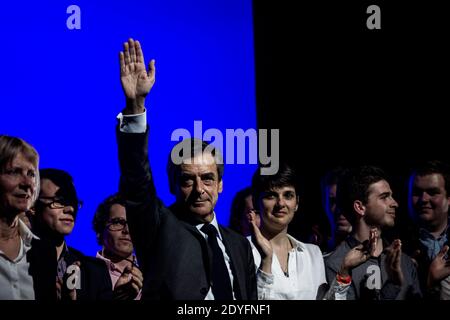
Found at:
(299, 246)
(108, 262)
(101, 257)
(64, 252)
(214, 223)
(425, 234)
(352, 242)
(26, 235)
(111, 265)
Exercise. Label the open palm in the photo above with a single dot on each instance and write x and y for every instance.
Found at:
(263, 245)
(135, 79)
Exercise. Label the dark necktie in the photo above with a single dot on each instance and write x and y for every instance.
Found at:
(221, 285)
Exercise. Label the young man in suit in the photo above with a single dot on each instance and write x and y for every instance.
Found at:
(184, 253)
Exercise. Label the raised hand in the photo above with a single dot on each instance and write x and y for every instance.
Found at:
(393, 262)
(439, 268)
(136, 80)
(262, 244)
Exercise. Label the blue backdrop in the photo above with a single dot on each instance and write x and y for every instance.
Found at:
(61, 89)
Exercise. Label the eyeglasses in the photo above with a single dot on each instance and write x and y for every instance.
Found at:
(58, 203)
(116, 224)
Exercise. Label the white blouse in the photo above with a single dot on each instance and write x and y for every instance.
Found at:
(306, 272)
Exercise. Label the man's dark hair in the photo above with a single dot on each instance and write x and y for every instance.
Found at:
(102, 213)
(433, 167)
(66, 192)
(196, 147)
(354, 185)
(286, 176)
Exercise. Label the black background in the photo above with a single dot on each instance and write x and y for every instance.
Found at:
(342, 94)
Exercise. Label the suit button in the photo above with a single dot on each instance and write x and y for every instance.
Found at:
(203, 291)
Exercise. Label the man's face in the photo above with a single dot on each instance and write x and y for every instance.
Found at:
(17, 186)
(277, 207)
(381, 206)
(116, 236)
(60, 219)
(198, 186)
(429, 198)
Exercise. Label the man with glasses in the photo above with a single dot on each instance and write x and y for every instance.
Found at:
(111, 228)
(78, 277)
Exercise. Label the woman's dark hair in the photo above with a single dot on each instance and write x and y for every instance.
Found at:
(286, 176)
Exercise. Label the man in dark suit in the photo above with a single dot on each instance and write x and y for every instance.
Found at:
(181, 249)
(55, 213)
